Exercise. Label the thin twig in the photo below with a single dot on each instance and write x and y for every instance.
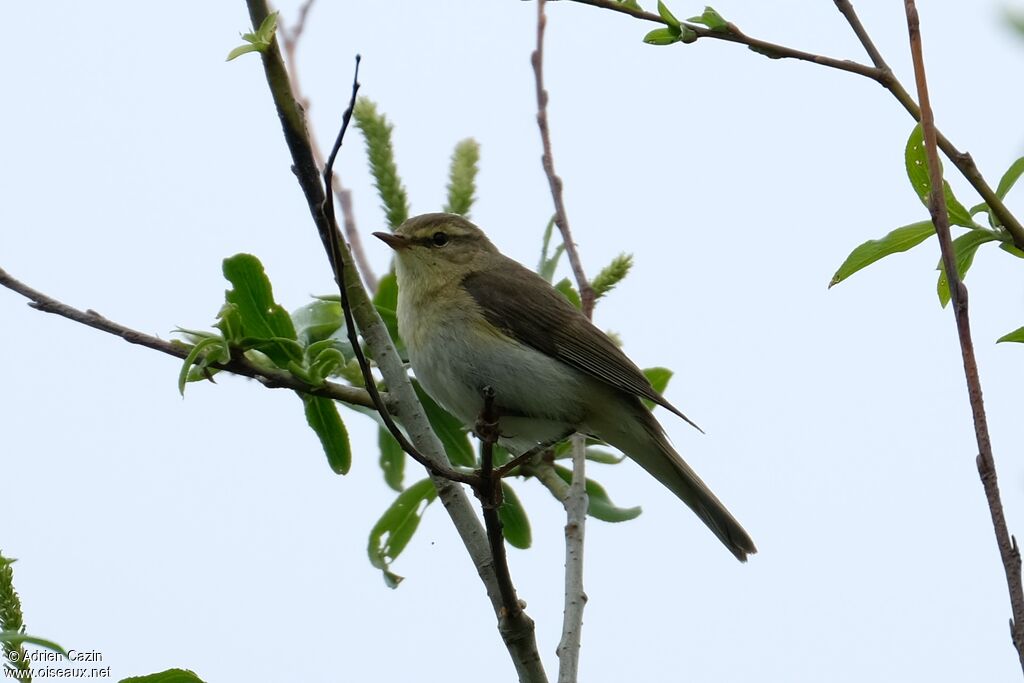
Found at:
(575, 501)
(490, 500)
(962, 160)
(521, 641)
(334, 254)
(240, 365)
(561, 219)
(575, 598)
(289, 42)
(880, 73)
(1008, 549)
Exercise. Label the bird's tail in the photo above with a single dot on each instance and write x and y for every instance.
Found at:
(643, 440)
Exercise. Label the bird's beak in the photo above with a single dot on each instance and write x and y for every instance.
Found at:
(394, 241)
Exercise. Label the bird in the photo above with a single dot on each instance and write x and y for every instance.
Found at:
(471, 317)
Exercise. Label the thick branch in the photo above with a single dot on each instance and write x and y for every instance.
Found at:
(290, 41)
(268, 376)
(521, 645)
(1008, 549)
(575, 503)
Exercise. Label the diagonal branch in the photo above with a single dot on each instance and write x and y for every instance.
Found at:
(289, 42)
(1008, 550)
(879, 72)
(521, 642)
(267, 376)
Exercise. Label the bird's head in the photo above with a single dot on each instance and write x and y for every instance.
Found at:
(437, 248)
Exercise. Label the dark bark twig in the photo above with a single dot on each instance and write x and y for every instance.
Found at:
(521, 644)
(561, 218)
(240, 365)
(1008, 550)
(489, 493)
(289, 43)
(880, 73)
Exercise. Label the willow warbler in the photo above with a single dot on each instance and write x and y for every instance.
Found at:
(471, 317)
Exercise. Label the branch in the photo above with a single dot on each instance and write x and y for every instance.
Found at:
(575, 500)
(880, 73)
(267, 376)
(1008, 550)
(521, 645)
(490, 500)
(290, 41)
(561, 219)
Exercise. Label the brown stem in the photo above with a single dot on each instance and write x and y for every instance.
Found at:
(561, 218)
(289, 43)
(240, 365)
(1008, 550)
(489, 493)
(880, 73)
(520, 641)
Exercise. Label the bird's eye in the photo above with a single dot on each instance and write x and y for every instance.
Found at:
(439, 239)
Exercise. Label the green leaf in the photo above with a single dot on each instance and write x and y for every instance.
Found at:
(377, 132)
(205, 351)
(243, 49)
(603, 457)
(258, 41)
(169, 676)
(593, 454)
(261, 317)
(229, 322)
(392, 459)
(917, 171)
(900, 239)
(448, 429)
(462, 177)
(322, 416)
(599, 505)
(569, 292)
(612, 274)
(632, 4)
(964, 248)
(514, 523)
(317, 320)
(665, 14)
(1010, 248)
(663, 36)
(1009, 178)
(386, 302)
(712, 19)
(396, 526)
(546, 268)
(658, 377)
(16, 638)
(1016, 336)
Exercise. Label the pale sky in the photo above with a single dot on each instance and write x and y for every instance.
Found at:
(208, 533)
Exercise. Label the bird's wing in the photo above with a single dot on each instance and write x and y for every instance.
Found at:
(552, 325)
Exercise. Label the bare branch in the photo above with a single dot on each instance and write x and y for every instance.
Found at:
(880, 73)
(575, 503)
(561, 219)
(521, 645)
(289, 42)
(1008, 550)
(267, 376)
